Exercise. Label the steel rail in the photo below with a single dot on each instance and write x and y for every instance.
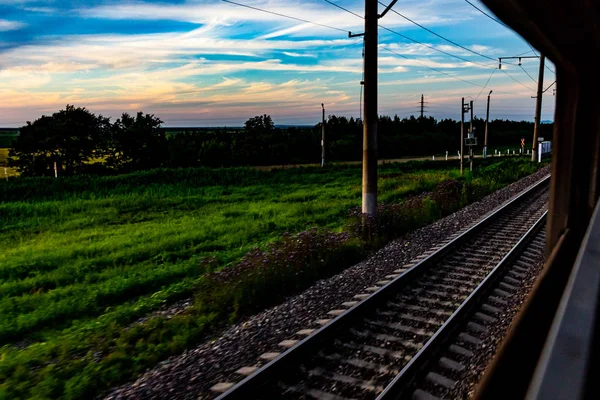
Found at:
(410, 372)
(306, 347)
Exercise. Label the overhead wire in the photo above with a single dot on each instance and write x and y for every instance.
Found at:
(526, 52)
(434, 69)
(488, 15)
(345, 9)
(483, 88)
(385, 48)
(438, 35)
(530, 77)
(285, 16)
(450, 41)
(506, 26)
(433, 48)
(411, 39)
(519, 82)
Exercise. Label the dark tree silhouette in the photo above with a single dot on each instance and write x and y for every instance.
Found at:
(137, 142)
(70, 137)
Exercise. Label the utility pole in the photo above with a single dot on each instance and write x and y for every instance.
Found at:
(462, 134)
(472, 133)
(538, 108)
(422, 106)
(538, 105)
(323, 137)
(487, 118)
(369, 173)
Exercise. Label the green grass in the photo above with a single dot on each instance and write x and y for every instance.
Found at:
(81, 258)
(11, 172)
(7, 137)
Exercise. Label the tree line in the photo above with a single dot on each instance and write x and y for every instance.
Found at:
(79, 141)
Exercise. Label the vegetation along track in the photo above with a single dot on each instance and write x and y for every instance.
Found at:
(377, 347)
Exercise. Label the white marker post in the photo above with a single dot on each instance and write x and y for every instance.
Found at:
(55, 170)
(446, 155)
(433, 158)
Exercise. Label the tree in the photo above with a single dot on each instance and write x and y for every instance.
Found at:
(260, 124)
(137, 142)
(70, 137)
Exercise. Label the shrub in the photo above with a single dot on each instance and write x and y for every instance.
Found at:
(265, 277)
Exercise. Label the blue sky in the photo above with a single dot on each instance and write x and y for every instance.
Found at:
(210, 63)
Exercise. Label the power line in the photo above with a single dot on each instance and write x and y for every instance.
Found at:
(411, 39)
(483, 88)
(530, 77)
(433, 48)
(450, 41)
(345, 9)
(506, 26)
(526, 52)
(514, 79)
(389, 30)
(431, 68)
(407, 38)
(440, 36)
(488, 15)
(284, 16)
(536, 54)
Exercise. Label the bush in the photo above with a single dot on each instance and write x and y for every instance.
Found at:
(266, 277)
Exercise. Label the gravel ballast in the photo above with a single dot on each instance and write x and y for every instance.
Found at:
(484, 352)
(191, 374)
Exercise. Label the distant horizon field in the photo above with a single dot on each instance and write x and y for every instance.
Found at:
(179, 128)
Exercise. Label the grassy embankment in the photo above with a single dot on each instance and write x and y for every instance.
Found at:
(83, 257)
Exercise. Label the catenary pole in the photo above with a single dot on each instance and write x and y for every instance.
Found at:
(538, 108)
(471, 130)
(487, 119)
(369, 173)
(462, 133)
(323, 136)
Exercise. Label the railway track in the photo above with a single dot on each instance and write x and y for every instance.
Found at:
(382, 345)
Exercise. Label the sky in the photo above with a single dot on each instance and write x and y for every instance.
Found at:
(213, 63)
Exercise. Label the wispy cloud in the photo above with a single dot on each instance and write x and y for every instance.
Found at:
(206, 60)
(291, 54)
(7, 25)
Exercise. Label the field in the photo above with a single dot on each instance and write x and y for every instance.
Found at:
(7, 136)
(10, 172)
(82, 258)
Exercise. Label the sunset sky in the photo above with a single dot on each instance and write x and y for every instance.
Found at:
(212, 63)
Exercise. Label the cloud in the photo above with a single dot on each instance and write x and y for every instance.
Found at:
(7, 25)
(41, 10)
(291, 54)
(233, 62)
